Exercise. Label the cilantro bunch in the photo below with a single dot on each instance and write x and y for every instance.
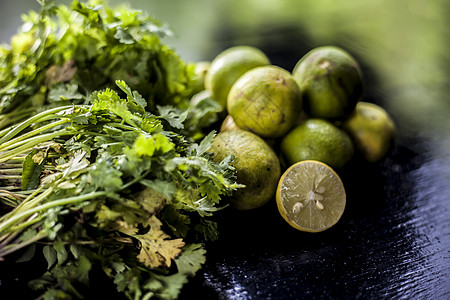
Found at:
(63, 54)
(103, 154)
(109, 184)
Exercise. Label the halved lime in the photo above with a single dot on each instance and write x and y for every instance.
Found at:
(310, 196)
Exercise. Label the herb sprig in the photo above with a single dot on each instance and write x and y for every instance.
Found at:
(63, 54)
(103, 155)
(121, 191)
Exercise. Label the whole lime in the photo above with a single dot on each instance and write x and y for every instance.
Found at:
(257, 166)
(228, 124)
(331, 82)
(200, 71)
(266, 101)
(317, 139)
(228, 66)
(372, 130)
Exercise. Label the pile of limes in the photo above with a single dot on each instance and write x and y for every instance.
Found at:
(292, 132)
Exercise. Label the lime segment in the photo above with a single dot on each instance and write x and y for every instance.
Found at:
(310, 196)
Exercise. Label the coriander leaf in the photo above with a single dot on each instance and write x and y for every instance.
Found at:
(50, 255)
(191, 259)
(128, 283)
(178, 222)
(77, 162)
(135, 100)
(64, 92)
(178, 76)
(204, 207)
(205, 144)
(28, 235)
(208, 229)
(131, 164)
(211, 181)
(31, 171)
(104, 174)
(28, 254)
(105, 216)
(165, 188)
(61, 252)
(151, 200)
(165, 287)
(203, 113)
(173, 116)
(156, 249)
(109, 101)
(123, 36)
(149, 145)
(82, 271)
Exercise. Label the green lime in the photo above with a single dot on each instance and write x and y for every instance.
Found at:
(257, 166)
(200, 70)
(331, 82)
(310, 196)
(317, 139)
(266, 101)
(228, 124)
(372, 130)
(228, 66)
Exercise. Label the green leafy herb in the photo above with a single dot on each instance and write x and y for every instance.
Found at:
(133, 205)
(64, 54)
(103, 153)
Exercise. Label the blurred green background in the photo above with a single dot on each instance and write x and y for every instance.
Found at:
(402, 45)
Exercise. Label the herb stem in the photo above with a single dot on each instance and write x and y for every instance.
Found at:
(123, 126)
(8, 223)
(27, 202)
(9, 133)
(135, 180)
(8, 200)
(9, 177)
(10, 171)
(14, 117)
(26, 224)
(23, 138)
(16, 247)
(32, 142)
